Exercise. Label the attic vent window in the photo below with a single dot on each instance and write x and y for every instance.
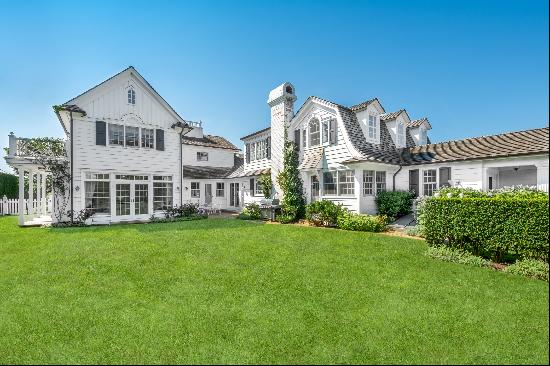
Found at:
(131, 96)
(288, 89)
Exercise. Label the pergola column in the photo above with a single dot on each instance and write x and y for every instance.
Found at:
(31, 194)
(39, 193)
(21, 196)
(44, 201)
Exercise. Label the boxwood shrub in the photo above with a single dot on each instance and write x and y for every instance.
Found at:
(324, 213)
(498, 228)
(394, 204)
(357, 222)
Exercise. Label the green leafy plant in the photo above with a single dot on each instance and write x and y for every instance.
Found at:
(456, 255)
(529, 268)
(290, 181)
(394, 204)
(357, 222)
(250, 212)
(324, 213)
(9, 186)
(496, 228)
(266, 184)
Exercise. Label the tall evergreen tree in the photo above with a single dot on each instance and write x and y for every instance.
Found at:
(290, 181)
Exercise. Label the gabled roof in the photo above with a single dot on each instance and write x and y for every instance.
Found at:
(209, 141)
(391, 115)
(365, 104)
(419, 122)
(256, 133)
(133, 71)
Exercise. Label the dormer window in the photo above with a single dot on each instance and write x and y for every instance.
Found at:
(372, 127)
(400, 135)
(314, 132)
(131, 96)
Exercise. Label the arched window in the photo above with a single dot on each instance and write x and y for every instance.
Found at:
(314, 132)
(131, 96)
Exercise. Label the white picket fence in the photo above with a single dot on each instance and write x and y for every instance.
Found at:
(11, 206)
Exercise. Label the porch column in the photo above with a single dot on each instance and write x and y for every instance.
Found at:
(31, 194)
(542, 176)
(38, 193)
(44, 200)
(21, 196)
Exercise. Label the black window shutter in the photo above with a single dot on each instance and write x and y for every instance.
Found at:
(252, 186)
(332, 133)
(444, 176)
(297, 139)
(247, 147)
(160, 139)
(268, 143)
(100, 133)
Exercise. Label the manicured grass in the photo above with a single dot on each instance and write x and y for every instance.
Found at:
(232, 291)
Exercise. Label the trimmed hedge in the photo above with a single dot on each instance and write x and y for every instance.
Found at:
(494, 228)
(324, 213)
(358, 222)
(394, 204)
(9, 186)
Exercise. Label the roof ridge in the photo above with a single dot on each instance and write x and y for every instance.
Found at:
(486, 136)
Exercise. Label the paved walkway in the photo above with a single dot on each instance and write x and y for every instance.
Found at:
(407, 221)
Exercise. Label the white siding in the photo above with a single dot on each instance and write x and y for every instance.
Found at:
(216, 157)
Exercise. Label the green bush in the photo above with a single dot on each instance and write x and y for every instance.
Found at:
(496, 228)
(529, 268)
(9, 186)
(394, 204)
(324, 213)
(357, 222)
(456, 255)
(506, 192)
(250, 212)
(290, 181)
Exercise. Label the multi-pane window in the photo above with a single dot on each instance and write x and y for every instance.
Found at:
(258, 188)
(90, 175)
(97, 196)
(131, 177)
(372, 127)
(148, 138)
(195, 189)
(131, 96)
(162, 194)
(380, 182)
(368, 182)
(116, 134)
(314, 132)
(346, 182)
(329, 183)
(220, 189)
(430, 181)
(202, 156)
(325, 131)
(258, 150)
(132, 136)
(400, 135)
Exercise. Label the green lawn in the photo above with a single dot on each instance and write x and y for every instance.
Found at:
(230, 291)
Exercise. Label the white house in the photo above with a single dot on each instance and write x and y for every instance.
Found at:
(131, 155)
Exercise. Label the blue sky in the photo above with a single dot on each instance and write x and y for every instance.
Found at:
(472, 67)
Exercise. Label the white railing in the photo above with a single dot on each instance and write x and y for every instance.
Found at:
(11, 206)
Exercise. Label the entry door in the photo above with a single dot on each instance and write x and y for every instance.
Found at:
(234, 194)
(208, 193)
(414, 181)
(314, 188)
(132, 200)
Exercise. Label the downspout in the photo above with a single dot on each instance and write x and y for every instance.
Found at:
(181, 167)
(398, 170)
(72, 176)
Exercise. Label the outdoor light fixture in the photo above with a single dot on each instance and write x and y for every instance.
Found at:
(77, 188)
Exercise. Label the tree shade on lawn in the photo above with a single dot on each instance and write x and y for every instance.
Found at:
(232, 291)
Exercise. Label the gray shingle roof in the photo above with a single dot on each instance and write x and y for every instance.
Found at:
(361, 106)
(391, 115)
(207, 172)
(256, 133)
(209, 141)
(418, 122)
(516, 143)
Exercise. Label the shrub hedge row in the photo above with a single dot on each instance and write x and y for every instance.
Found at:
(497, 228)
(394, 204)
(327, 213)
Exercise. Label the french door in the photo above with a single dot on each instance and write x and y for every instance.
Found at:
(234, 194)
(315, 188)
(132, 200)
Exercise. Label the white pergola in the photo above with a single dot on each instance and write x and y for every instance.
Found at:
(37, 201)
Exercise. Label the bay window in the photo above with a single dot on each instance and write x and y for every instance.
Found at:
(329, 183)
(368, 182)
(346, 182)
